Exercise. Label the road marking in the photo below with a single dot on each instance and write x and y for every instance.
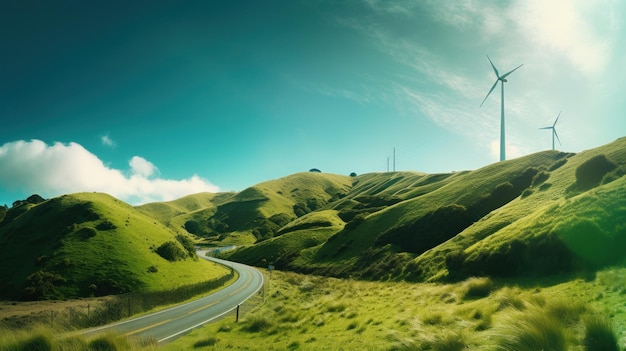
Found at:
(137, 331)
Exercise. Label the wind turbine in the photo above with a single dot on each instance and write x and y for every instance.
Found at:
(554, 130)
(500, 78)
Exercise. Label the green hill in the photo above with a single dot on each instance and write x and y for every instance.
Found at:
(92, 244)
(545, 213)
(254, 214)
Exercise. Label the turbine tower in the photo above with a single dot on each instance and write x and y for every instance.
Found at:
(553, 127)
(500, 78)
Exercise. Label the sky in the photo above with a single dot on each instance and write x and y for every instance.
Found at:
(154, 100)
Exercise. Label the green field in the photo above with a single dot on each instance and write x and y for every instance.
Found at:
(304, 312)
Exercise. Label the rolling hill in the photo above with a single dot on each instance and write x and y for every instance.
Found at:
(542, 214)
(92, 244)
(545, 213)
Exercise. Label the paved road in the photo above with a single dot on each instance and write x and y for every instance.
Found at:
(169, 324)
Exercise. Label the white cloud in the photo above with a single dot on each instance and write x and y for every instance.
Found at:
(107, 141)
(52, 170)
(142, 167)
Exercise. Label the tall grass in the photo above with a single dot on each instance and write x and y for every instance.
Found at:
(42, 338)
(532, 329)
(599, 334)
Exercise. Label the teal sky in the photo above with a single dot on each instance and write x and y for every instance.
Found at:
(153, 100)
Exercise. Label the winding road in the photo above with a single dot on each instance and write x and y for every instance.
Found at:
(171, 323)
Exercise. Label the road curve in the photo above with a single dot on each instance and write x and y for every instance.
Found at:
(173, 322)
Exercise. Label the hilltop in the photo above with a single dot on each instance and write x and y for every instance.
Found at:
(546, 213)
(91, 244)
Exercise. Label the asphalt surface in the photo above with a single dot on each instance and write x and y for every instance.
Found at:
(174, 322)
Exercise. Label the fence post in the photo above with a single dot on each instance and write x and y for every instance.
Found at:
(237, 315)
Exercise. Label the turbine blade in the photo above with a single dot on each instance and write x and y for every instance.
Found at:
(493, 87)
(557, 119)
(557, 135)
(494, 67)
(511, 71)
(546, 128)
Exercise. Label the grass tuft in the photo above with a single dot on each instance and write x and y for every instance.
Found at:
(477, 287)
(599, 334)
(532, 329)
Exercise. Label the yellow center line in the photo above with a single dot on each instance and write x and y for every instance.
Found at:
(242, 287)
(148, 327)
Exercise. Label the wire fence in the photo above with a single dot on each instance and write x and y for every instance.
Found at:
(102, 311)
(114, 308)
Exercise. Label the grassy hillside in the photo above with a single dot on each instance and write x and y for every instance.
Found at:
(545, 213)
(253, 215)
(92, 244)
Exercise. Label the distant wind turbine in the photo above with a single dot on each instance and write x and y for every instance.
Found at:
(553, 127)
(501, 78)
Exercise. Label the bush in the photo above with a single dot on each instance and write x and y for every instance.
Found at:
(540, 178)
(87, 232)
(257, 324)
(171, 251)
(590, 173)
(187, 244)
(192, 227)
(106, 225)
(42, 285)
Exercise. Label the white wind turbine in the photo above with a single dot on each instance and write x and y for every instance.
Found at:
(553, 127)
(500, 78)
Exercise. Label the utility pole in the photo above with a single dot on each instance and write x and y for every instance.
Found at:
(394, 158)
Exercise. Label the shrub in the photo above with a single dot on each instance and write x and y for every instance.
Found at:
(42, 285)
(599, 335)
(87, 232)
(540, 178)
(192, 227)
(590, 173)
(558, 164)
(614, 175)
(106, 225)
(257, 324)
(187, 244)
(171, 251)
(153, 269)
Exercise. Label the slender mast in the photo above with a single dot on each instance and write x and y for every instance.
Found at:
(502, 150)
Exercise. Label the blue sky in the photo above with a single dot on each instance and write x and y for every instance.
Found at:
(153, 100)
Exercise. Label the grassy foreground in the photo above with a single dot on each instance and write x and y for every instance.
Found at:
(316, 313)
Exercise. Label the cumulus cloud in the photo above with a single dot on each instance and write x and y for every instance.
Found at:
(142, 167)
(51, 170)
